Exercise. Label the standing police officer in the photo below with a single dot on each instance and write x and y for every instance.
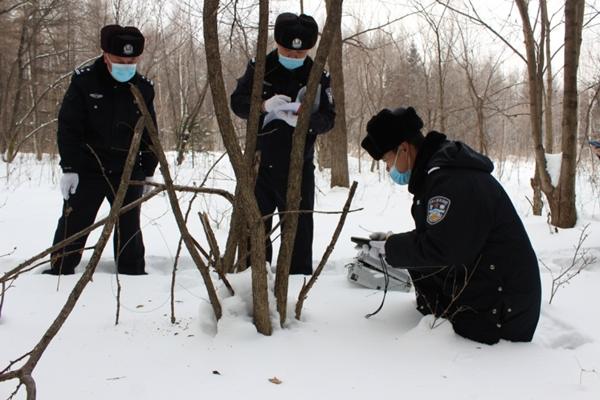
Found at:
(469, 256)
(95, 128)
(286, 75)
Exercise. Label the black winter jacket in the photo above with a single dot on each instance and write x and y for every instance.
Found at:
(470, 257)
(96, 121)
(275, 138)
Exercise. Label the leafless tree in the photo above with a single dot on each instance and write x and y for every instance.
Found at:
(561, 198)
(243, 164)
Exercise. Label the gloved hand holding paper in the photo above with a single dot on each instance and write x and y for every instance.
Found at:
(286, 112)
(289, 107)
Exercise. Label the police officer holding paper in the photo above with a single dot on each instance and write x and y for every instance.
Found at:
(469, 255)
(286, 77)
(95, 128)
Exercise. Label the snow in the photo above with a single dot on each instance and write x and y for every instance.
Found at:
(334, 352)
(553, 164)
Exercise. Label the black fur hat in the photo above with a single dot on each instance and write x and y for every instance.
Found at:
(124, 41)
(389, 128)
(296, 32)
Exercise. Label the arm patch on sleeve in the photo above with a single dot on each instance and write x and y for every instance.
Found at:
(437, 208)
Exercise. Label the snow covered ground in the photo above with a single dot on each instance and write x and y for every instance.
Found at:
(334, 352)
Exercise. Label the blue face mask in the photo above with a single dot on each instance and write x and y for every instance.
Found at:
(291, 63)
(401, 178)
(123, 72)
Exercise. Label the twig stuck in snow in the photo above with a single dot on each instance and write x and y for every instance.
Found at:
(580, 260)
(307, 286)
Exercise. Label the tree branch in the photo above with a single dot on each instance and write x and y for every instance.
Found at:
(306, 287)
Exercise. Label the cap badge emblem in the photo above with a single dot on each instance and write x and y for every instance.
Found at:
(296, 43)
(128, 49)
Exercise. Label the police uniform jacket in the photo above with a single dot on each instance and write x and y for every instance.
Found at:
(275, 138)
(470, 257)
(96, 123)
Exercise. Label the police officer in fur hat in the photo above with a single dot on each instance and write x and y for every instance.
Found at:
(469, 256)
(95, 128)
(286, 76)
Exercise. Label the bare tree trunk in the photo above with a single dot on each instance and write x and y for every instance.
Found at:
(324, 144)
(440, 82)
(33, 71)
(243, 171)
(11, 130)
(549, 97)
(567, 214)
(562, 198)
(593, 100)
(235, 235)
(537, 204)
(339, 136)
(332, 24)
(535, 85)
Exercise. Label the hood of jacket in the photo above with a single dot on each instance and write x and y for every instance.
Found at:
(438, 152)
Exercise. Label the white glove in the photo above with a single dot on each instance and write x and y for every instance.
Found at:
(377, 247)
(68, 184)
(275, 102)
(148, 188)
(293, 107)
(380, 236)
(289, 118)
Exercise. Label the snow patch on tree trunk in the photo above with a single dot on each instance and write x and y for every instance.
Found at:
(553, 163)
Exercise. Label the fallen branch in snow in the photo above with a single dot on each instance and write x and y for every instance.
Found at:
(579, 262)
(24, 373)
(307, 286)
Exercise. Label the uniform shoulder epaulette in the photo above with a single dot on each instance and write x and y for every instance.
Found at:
(82, 70)
(145, 78)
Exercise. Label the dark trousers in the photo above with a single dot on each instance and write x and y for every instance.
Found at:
(79, 212)
(270, 191)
